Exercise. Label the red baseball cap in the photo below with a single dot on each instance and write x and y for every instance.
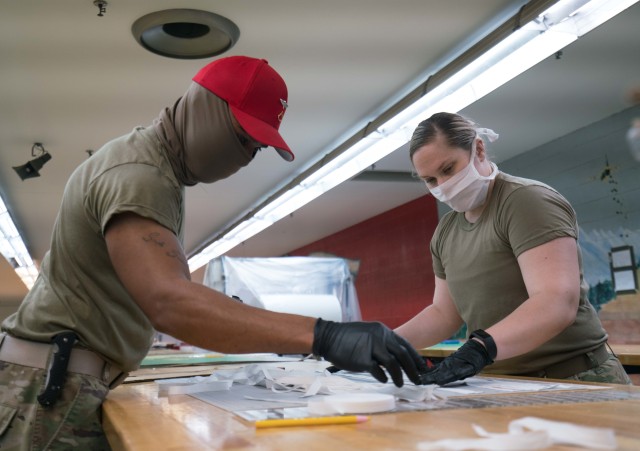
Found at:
(255, 93)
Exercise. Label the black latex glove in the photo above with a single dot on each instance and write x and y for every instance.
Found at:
(367, 346)
(465, 362)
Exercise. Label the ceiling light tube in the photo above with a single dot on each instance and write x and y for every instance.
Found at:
(240, 233)
(13, 249)
(475, 86)
(501, 56)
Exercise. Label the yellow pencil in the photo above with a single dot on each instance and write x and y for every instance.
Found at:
(313, 421)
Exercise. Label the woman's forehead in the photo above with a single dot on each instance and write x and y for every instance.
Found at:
(436, 149)
(432, 158)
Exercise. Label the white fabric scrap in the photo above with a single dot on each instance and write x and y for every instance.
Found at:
(523, 442)
(311, 385)
(530, 433)
(217, 381)
(255, 374)
(307, 379)
(410, 393)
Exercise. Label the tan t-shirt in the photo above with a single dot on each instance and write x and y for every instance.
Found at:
(479, 262)
(77, 288)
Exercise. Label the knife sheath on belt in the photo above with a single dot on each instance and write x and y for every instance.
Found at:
(63, 344)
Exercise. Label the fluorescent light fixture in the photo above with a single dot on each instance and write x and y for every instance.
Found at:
(14, 250)
(553, 29)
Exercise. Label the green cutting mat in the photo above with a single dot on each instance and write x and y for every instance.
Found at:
(182, 358)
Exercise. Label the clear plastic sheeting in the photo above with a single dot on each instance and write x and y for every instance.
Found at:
(304, 285)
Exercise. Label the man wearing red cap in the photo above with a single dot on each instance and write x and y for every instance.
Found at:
(116, 271)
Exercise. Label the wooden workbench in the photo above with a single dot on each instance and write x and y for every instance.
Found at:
(629, 355)
(135, 418)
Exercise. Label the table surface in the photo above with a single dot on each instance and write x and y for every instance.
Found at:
(135, 418)
(628, 354)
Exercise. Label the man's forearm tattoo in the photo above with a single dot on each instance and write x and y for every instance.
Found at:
(154, 238)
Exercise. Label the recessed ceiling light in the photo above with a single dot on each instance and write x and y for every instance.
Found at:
(185, 33)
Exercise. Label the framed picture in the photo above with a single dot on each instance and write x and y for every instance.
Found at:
(623, 269)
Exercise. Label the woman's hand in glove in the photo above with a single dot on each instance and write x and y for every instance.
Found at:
(465, 362)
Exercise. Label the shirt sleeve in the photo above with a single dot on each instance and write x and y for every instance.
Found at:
(533, 215)
(435, 247)
(136, 188)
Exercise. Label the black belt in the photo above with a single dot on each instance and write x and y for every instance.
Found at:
(574, 365)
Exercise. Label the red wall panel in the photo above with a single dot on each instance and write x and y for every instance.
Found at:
(395, 279)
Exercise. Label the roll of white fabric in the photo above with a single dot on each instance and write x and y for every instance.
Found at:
(351, 403)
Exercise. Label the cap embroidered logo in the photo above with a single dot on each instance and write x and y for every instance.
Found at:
(285, 105)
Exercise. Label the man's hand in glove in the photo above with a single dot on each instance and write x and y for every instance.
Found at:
(465, 362)
(367, 346)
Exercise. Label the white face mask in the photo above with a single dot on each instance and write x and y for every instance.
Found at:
(467, 189)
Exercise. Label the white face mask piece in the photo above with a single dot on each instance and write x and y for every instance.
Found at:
(633, 138)
(467, 189)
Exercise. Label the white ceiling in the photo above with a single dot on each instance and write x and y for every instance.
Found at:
(73, 80)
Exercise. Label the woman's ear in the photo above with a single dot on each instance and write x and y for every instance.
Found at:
(480, 151)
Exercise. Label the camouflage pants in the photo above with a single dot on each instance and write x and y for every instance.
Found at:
(610, 371)
(74, 422)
